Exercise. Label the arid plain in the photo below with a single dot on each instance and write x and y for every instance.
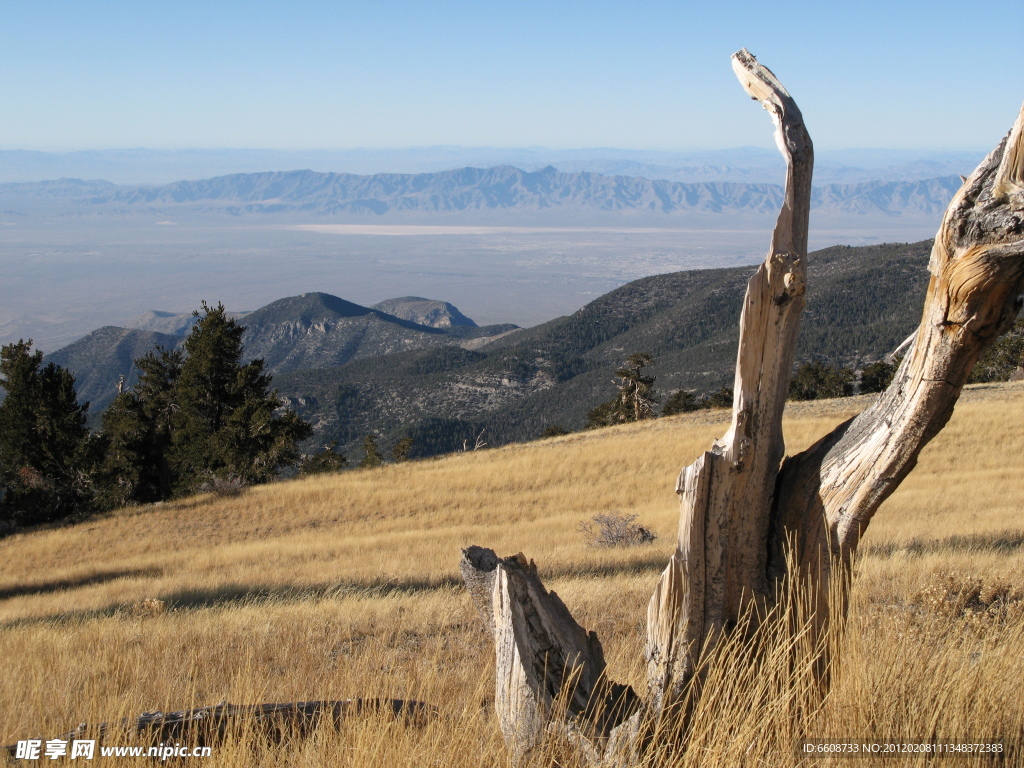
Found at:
(68, 275)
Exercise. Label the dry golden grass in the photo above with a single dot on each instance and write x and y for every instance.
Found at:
(347, 585)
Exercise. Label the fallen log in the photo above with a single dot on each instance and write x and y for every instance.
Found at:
(205, 726)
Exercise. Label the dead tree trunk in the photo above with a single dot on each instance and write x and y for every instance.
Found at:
(720, 562)
(747, 517)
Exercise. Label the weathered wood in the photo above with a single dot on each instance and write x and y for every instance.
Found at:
(204, 726)
(750, 521)
(477, 567)
(720, 563)
(829, 493)
(550, 672)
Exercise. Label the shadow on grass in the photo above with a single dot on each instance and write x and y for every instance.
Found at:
(245, 594)
(1003, 541)
(57, 585)
(650, 563)
(260, 594)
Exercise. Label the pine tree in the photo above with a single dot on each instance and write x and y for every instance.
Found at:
(400, 451)
(196, 415)
(137, 427)
(373, 458)
(226, 421)
(44, 444)
(1004, 358)
(680, 401)
(877, 376)
(636, 398)
(326, 461)
(816, 380)
(721, 398)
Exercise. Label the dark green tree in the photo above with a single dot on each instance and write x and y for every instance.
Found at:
(373, 458)
(137, 429)
(225, 421)
(44, 445)
(719, 399)
(555, 430)
(680, 401)
(636, 398)
(400, 450)
(816, 380)
(877, 376)
(1003, 359)
(603, 415)
(327, 460)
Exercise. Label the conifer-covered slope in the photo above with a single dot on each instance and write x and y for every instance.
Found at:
(99, 360)
(314, 330)
(352, 370)
(862, 302)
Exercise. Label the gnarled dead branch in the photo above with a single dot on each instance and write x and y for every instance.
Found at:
(749, 520)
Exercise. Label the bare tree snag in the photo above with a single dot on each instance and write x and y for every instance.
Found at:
(550, 672)
(751, 522)
(720, 562)
(477, 567)
(829, 493)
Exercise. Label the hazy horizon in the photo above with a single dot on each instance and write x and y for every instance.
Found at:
(767, 147)
(143, 165)
(414, 87)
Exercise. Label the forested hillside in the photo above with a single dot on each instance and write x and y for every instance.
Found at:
(862, 302)
(314, 330)
(352, 370)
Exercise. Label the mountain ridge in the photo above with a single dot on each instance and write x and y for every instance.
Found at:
(745, 164)
(500, 189)
(353, 371)
(862, 302)
(435, 314)
(312, 330)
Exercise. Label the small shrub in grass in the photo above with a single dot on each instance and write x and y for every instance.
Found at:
(615, 529)
(224, 486)
(151, 606)
(975, 601)
(323, 462)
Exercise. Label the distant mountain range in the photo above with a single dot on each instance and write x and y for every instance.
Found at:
(742, 164)
(502, 189)
(354, 370)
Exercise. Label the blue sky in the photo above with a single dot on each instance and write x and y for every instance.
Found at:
(391, 73)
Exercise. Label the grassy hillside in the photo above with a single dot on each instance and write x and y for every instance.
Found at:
(346, 585)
